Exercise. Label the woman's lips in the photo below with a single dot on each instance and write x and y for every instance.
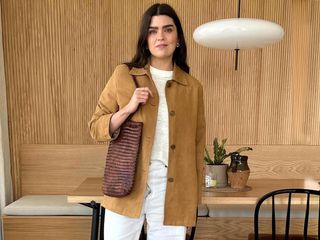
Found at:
(161, 46)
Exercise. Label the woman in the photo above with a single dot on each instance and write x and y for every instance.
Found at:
(168, 182)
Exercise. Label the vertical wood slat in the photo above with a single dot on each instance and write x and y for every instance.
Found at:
(56, 56)
(59, 55)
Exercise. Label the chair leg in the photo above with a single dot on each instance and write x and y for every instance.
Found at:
(193, 229)
(143, 235)
(193, 232)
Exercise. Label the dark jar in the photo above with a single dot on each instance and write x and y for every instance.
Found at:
(239, 163)
(238, 171)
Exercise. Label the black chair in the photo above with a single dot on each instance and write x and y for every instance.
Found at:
(274, 234)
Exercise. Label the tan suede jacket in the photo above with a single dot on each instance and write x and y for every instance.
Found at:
(184, 96)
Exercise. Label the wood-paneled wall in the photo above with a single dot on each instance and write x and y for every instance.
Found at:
(59, 55)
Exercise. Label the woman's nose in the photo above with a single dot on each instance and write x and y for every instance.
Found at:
(160, 35)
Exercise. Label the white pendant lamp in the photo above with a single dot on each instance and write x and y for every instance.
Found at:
(238, 33)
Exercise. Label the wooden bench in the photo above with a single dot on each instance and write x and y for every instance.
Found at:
(48, 174)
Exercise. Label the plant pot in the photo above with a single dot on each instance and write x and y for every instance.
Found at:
(217, 174)
(238, 171)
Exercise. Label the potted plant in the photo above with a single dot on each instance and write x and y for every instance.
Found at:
(216, 170)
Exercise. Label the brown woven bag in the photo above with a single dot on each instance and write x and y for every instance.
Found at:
(121, 159)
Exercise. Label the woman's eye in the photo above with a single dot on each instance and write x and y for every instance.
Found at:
(152, 31)
(169, 30)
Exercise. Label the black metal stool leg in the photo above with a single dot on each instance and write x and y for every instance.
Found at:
(95, 220)
(193, 231)
(102, 223)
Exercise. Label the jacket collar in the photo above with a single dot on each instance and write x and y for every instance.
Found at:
(178, 74)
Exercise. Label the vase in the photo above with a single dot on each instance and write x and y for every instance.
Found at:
(216, 175)
(238, 171)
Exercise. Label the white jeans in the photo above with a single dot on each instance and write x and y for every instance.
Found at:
(119, 227)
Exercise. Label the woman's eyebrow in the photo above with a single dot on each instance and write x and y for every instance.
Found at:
(165, 26)
(169, 25)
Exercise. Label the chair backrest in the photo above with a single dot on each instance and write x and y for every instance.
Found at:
(304, 196)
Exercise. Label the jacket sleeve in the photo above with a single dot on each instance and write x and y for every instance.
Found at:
(106, 107)
(200, 142)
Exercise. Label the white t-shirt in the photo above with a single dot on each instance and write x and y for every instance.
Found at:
(160, 148)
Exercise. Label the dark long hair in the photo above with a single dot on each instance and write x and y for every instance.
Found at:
(142, 55)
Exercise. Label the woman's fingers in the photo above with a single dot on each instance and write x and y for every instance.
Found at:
(142, 95)
(149, 91)
(141, 99)
(145, 91)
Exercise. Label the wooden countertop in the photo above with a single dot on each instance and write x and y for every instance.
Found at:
(90, 189)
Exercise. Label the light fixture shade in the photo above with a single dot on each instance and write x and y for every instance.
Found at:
(238, 33)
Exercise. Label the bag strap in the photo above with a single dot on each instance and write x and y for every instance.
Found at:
(135, 81)
(137, 86)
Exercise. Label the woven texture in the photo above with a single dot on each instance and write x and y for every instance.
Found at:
(122, 159)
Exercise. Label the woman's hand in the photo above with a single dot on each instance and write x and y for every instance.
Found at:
(140, 96)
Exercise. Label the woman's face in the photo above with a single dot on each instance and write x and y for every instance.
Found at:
(162, 37)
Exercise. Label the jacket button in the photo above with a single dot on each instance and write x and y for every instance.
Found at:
(170, 179)
(172, 113)
(168, 84)
(173, 146)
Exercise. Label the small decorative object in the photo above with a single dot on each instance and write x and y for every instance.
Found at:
(215, 169)
(238, 171)
(210, 177)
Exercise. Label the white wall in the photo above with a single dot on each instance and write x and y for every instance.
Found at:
(5, 176)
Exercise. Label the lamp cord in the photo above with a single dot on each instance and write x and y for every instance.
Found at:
(237, 50)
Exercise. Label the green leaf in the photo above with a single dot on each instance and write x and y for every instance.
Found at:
(208, 161)
(207, 153)
(207, 158)
(243, 149)
(223, 142)
(219, 151)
